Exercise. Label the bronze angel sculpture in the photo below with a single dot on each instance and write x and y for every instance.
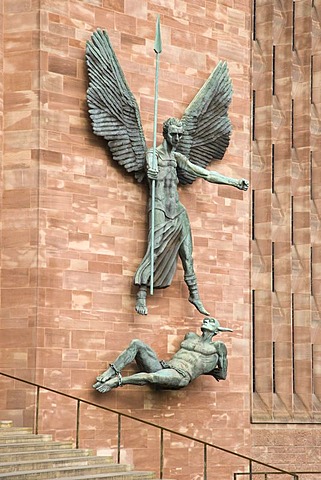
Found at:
(190, 144)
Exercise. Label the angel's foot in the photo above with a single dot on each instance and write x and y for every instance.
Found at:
(141, 306)
(196, 301)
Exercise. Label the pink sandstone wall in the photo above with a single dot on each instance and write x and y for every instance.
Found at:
(286, 233)
(19, 199)
(74, 227)
(74, 224)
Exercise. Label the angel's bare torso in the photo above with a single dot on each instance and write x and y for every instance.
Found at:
(166, 194)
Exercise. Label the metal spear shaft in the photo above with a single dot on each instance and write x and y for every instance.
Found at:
(157, 50)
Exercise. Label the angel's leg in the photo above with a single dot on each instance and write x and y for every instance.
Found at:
(142, 276)
(186, 256)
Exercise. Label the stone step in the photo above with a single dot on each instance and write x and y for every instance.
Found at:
(12, 438)
(131, 475)
(34, 445)
(6, 423)
(46, 464)
(15, 431)
(99, 471)
(22, 455)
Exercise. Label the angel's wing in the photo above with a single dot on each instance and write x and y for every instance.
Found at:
(112, 107)
(207, 128)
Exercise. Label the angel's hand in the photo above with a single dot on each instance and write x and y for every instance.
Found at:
(152, 173)
(243, 184)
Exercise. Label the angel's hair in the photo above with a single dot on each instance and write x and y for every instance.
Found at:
(171, 121)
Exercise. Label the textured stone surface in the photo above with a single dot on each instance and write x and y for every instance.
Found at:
(74, 224)
(286, 311)
(74, 229)
(284, 263)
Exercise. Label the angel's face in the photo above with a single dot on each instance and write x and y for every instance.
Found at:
(174, 134)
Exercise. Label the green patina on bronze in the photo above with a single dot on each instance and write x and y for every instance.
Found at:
(190, 144)
(157, 50)
(197, 355)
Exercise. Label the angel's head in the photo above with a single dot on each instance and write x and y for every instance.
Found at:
(173, 130)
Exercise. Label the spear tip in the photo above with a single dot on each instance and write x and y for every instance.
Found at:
(158, 39)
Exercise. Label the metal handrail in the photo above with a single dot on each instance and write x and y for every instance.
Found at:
(121, 415)
(266, 474)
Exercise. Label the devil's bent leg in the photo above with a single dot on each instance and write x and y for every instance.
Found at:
(144, 355)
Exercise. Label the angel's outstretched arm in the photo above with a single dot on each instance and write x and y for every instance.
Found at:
(212, 176)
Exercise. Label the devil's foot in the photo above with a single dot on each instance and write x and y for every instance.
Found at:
(107, 375)
(104, 388)
(196, 301)
(107, 386)
(97, 384)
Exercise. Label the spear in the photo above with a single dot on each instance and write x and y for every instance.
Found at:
(157, 50)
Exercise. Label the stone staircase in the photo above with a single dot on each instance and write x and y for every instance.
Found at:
(24, 455)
